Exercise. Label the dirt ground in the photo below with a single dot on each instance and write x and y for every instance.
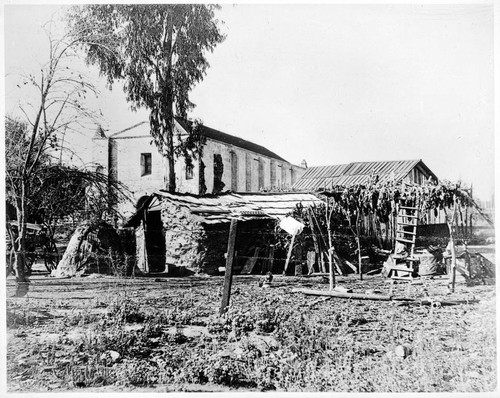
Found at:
(97, 333)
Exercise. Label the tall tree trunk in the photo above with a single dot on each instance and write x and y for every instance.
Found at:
(169, 103)
(20, 243)
(171, 172)
(169, 118)
(164, 116)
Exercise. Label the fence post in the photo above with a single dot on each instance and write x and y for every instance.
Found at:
(228, 274)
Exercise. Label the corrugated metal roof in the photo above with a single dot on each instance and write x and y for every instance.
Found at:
(355, 173)
(223, 208)
(214, 209)
(278, 205)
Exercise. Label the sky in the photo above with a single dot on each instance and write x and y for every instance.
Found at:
(328, 83)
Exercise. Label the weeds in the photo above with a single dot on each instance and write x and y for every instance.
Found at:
(261, 343)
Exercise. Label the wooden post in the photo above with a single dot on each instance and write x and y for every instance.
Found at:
(453, 271)
(228, 275)
(466, 220)
(311, 259)
(322, 261)
(298, 260)
(289, 254)
(336, 260)
(270, 260)
(376, 229)
(331, 272)
(467, 260)
(315, 238)
(359, 246)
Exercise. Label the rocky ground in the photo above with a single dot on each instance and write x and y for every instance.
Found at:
(100, 333)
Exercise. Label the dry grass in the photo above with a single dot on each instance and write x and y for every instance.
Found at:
(61, 336)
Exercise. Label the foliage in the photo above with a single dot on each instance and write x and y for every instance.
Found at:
(159, 53)
(338, 222)
(55, 191)
(61, 191)
(270, 339)
(382, 198)
(54, 107)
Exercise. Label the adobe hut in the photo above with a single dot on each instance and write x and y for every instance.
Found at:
(182, 232)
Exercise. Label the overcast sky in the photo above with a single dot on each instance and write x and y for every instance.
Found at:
(329, 83)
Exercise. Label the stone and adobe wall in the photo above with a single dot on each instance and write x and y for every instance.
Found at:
(190, 243)
(182, 235)
(201, 248)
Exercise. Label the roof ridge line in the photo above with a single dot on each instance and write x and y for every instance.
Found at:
(127, 129)
(244, 144)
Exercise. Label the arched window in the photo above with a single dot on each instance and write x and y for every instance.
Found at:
(273, 173)
(261, 173)
(141, 201)
(234, 172)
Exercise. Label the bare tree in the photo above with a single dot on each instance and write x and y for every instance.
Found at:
(58, 106)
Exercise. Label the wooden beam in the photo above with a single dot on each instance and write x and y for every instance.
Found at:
(381, 297)
(289, 254)
(333, 293)
(228, 275)
(247, 269)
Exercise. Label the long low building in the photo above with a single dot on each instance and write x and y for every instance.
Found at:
(184, 231)
(354, 173)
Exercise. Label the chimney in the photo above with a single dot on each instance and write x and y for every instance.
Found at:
(303, 164)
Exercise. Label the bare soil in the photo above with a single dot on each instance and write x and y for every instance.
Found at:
(166, 332)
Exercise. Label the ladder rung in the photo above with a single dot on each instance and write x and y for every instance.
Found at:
(406, 232)
(405, 240)
(407, 215)
(408, 207)
(404, 269)
(408, 258)
(408, 224)
(403, 278)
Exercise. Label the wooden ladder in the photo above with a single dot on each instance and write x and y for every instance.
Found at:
(406, 233)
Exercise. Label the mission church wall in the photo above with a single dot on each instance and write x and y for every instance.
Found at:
(242, 171)
(132, 158)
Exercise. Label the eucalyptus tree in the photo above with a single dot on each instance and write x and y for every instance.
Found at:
(158, 52)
